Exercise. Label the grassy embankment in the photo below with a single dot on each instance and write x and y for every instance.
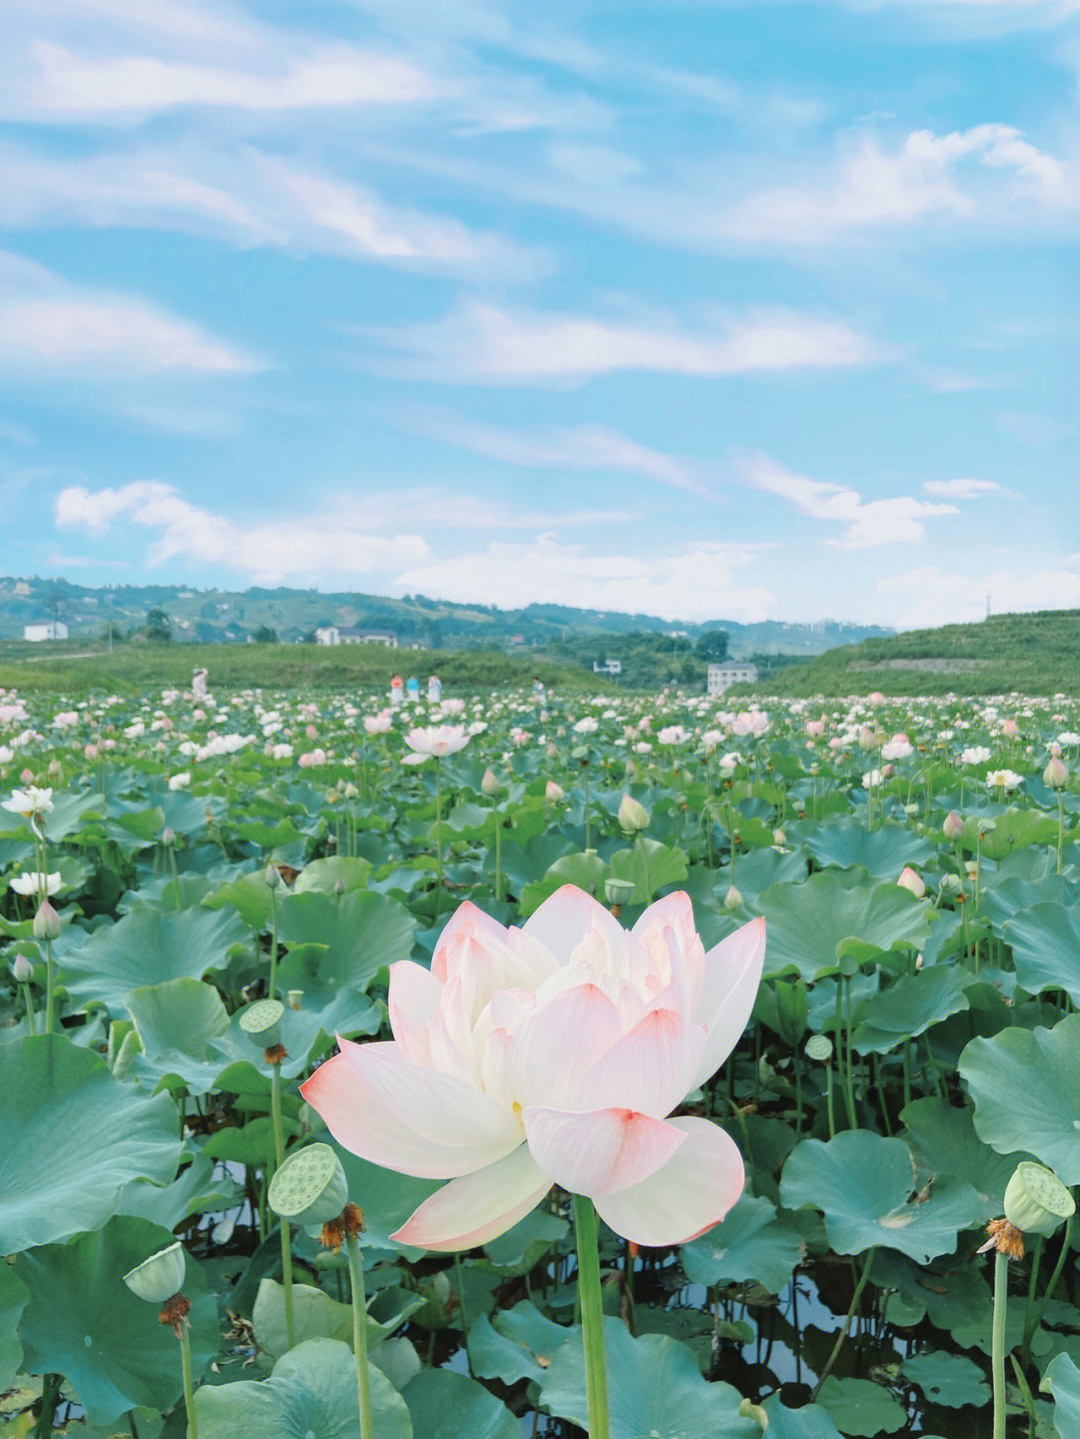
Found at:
(1037, 654)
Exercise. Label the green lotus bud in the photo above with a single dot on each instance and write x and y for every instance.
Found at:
(272, 876)
(46, 922)
(733, 898)
(633, 816)
(130, 1046)
(310, 1187)
(618, 891)
(489, 785)
(159, 1277)
(1036, 1201)
(22, 969)
(261, 1022)
(819, 1047)
(168, 837)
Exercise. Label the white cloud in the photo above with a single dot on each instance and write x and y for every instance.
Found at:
(958, 595)
(306, 547)
(50, 325)
(929, 175)
(963, 489)
(578, 448)
(867, 524)
(1036, 431)
(696, 583)
(485, 344)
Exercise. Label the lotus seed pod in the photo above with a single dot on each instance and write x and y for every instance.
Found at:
(618, 891)
(819, 1047)
(46, 922)
(633, 816)
(295, 998)
(310, 1187)
(159, 1277)
(22, 969)
(261, 1022)
(733, 898)
(1036, 1201)
(953, 826)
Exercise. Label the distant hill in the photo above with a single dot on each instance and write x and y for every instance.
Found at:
(225, 616)
(1037, 654)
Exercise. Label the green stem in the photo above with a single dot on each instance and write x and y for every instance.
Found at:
(1033, 1281)
(498, 857)
(438, 839)
(50, 989)
(132, 1425)
(1061, 828)
(189, 1388)
(1001, 1295)
(587, 1230)
(31, 1018)
(846, 1326)
(1054, 1277)
(50, 1397)
(272, 985)
(286, 1232)
(359, 1308)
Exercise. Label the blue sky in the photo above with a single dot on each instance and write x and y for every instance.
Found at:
(704, 309)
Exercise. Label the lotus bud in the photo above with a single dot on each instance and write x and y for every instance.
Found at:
(633, 816)
(953, 826)
(310, 1188)
(1056, 773)
(159, 1277)
(339, 885)
(168, 837)
(350, 791)
(819, 1047)
(554, 791)
(130, 1046)
(779, 837)
(261, 1022)
(1036, 1201)
(489, 785)
(46, 922)
(912, 881)
(272, 876)
(732, 899)
(22, 969)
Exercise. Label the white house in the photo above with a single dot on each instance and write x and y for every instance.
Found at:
(51, 630)
(369, 637)
(328, 635)
(608, 667)
(722, 677)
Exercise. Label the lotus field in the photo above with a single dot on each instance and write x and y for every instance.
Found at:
(529, 1065)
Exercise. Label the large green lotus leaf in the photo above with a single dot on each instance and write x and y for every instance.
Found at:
(84, 1322)
(250, 896)
(322, 876)
(655, 1388)
(69, 811)
(586, 870)
(521, 1248)
(752, 1243)
(13, 1299)
(518, 1344)
(909, 1007)
(1013, 830)
(943, 1140)
(75, 1135)
(310, 1395)
(650, 867)
(1003, 899)
(1062, 1378)
(846, 842)
(317, 1316)
(954, 1296)
(1026, 1088)
(445, 1405)
(1045, 942)
(949, 1379)
(196, 1190)
(861, 1407)
(863, 1185)
(149, 946)
(811, 1422)
(176, 1023)
(807, 922)
(362, 933)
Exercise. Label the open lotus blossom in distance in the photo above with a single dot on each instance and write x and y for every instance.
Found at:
(553, 1054)
(434, 740)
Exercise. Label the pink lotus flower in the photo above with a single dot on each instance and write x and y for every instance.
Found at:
(553, 1053)
(437, 740)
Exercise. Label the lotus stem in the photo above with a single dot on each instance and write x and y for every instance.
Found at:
(1001, 1296)
(50, 989)
(498, 857)
(1061, 828)
(272, 983)
(189, 1388)
(1055, 1275)
(50, 1396)
(286, 1233)
(846, 1326)
(359, 1308)
(587, 1230)
(31, 1017)
(438, 839)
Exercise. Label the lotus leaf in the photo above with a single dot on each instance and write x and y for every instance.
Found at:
(861, 1407)
(752, 1243)
(807, 922)
(950, 1379)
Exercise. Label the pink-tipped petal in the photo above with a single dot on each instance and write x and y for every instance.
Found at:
(558, 1042)
(649, 1069)
(467, 919)
(565, 920)
(477, 1207)
(404, 1117)
(692, 1192)
(412, 999)
(732, 975)
(601, 1152)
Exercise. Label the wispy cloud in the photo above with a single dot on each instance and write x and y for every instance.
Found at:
(305, 547)
(964, 489)
(1036, 431)
(51, 326)
(487, 344)
(960, 592)
(867, 524)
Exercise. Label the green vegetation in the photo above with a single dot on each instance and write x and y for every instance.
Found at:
(1036, 653)
(73, 668)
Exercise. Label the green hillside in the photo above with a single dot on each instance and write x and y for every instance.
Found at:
(1036, 654)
